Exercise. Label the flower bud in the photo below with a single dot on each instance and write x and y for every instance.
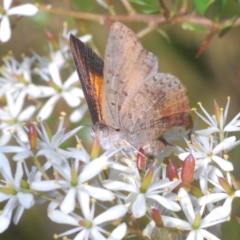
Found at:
(197, 221)
(141, 160)
(147, 180)
(32, 136)
(156, 217)
(196, 192)
(95, 148)
(225, 185)
(217, 112)
(172, 171)
(188, 168)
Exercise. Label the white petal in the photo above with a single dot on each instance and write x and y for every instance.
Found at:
(22, 155)
(167, 203)
(5, 166)
(216, 214)
(7, 4)
(86, 38)
(78, 114)
(11, 149)
(54, 72)
(207, 131)
(27, 113)
(96, 234)
(112, 213)
(21, 133)
(44, 92)
(175, 222)
(147, 231)
(84, 201)
(71, 80)
(18, 214)
(25, 199)
(4, 221)
(71, 100)
(224, 145)
(5, 30)
(237, 193)
(194, 235)
(99, 193)
(207, 235)
(118, 186)
(59, 217)
(68, 204)
(45, 185)
(5, 138)
(93, 168)
(212, 198)
(25, 9)
(139, 206)
(186, 205)
(224, 164)
(47, 109)
(231, 129)
(119, 232)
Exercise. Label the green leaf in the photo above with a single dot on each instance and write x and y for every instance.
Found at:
(193, 27)
(202, 5)
(164, 34)
(226, 27)
(148, 6)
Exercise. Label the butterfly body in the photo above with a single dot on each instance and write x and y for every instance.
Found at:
(129, 101)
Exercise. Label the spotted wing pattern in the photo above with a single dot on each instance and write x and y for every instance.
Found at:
(127, 65)
(138, 100)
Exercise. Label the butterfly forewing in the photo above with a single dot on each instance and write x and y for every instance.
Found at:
(90, 71)
(126, 65)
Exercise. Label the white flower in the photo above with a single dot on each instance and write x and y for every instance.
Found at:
(88, 226)
(17, 197)
(140, 193)
(78, 113)
(25, 9)
(73, 184)
(49, 145)
(22, 151)
(17, 78)
(205, 149)
(219, 193)
(70, 94)
(195, 224)
(12, 117)
(217, 124)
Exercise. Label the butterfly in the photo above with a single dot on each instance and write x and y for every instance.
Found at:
(129, 101)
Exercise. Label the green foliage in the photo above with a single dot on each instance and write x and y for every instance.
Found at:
(202, 5)
(226, 28)
(147, 6)
(193, 27)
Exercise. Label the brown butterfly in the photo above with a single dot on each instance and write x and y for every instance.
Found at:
(129, 101)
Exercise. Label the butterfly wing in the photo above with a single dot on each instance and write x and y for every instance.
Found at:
(127, 64)
(159, 103)
(90, 71)
(139, 100)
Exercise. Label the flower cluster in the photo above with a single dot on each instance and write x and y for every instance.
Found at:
(110, 195)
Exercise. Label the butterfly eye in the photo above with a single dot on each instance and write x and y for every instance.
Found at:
(103, 131)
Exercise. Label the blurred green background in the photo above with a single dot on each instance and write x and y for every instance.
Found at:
(214, 75)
